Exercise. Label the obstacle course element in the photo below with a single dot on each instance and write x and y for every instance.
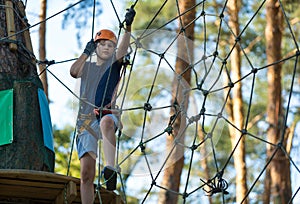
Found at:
(36, 187)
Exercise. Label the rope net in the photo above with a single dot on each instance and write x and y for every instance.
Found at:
(153, 97)
(153, 81)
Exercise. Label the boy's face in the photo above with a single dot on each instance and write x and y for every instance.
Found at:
(105, 49)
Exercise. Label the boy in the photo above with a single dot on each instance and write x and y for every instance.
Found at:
(98, 83)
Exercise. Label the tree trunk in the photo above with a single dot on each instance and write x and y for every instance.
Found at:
(18, 72)
(42, 46)
(280, 166)
(237, 106)
(172, 173)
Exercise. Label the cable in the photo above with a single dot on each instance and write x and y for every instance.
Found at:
(21, 31)
(93, 24)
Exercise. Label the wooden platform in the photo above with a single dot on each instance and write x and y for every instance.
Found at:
(39, 187)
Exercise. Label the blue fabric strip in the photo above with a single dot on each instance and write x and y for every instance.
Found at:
(46, 120)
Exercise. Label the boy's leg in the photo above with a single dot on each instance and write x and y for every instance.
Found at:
(107, 126)
(87, 146)
(87, 173)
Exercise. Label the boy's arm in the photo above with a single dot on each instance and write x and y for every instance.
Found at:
(77, 66)
(124, 44)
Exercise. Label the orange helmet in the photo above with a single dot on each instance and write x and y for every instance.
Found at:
(106, 35)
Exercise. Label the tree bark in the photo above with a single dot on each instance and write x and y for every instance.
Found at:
(42, 46)
(237, 106)
(172, 173)
(18, 72)
(279, 167)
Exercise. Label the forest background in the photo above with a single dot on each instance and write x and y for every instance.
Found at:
(63, 42)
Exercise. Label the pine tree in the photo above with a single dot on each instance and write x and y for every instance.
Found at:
(18, 73)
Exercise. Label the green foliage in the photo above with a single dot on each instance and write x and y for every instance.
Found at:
(154, 14)
(63, 140)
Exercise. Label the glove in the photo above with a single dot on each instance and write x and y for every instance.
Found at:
(90, 48)
(129, 16)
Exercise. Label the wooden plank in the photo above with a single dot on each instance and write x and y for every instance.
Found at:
(15, 191)
(10, 23)
(45, 187)
(26, 33)
(69, 194)
(26, 184)
(42, 176)
(29, 183)
(71, 191)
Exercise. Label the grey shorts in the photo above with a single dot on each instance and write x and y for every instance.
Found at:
(86, 142)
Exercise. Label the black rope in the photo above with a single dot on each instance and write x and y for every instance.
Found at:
(71, 151)
(46, 19)
(93, 24)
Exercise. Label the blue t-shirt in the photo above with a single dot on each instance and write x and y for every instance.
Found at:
(107, 84)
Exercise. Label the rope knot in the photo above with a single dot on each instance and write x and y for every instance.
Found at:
(147, 107)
